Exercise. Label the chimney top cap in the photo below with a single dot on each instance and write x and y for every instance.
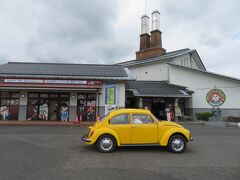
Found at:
(143, 16)
(155, 11)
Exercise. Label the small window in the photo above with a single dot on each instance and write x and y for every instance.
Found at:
(32, 95)
(44, 96)
(15, 95)
(142, 119)
(82, 96)
(64, 96)
(5, 95)
(53, 95)
(120, 119)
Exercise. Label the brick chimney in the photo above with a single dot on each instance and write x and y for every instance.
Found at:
(154, 48)
(144, 37)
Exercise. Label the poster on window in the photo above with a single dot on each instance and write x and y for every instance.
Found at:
(110, 98)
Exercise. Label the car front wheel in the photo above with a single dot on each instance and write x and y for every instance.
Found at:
(177, 144)
(106, 143)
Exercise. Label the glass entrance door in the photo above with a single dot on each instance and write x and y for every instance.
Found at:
(53, 110)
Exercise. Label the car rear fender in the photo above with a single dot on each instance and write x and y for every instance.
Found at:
(102, 131)
(165, 137)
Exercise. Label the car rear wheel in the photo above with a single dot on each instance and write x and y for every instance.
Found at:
(106, 143)
(177, 144)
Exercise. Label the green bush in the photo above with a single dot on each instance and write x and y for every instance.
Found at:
(232, 119)
(204, 116)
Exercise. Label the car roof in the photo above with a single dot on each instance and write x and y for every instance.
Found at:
(120, 111)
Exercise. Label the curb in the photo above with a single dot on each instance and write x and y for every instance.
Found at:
(232, 124)
(191, 122)
(216, 124)
(25, 123)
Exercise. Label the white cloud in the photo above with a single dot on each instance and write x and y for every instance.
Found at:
(108, 31)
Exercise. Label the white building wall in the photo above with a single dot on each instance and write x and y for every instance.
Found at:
(202, 83)
(150, 72)
(121, 95)
(22, 113)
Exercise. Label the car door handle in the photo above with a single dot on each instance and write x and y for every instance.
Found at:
(134, 126)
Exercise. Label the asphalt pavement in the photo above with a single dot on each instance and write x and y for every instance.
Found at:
(46, 152)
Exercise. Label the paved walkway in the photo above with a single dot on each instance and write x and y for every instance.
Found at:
(43, 123)
(88, 123)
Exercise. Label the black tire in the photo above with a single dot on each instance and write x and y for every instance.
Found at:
(109, 146)
(177, 144)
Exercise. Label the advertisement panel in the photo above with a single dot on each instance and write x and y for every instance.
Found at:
(110, 97)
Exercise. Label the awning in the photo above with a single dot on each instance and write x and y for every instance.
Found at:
(156, 89)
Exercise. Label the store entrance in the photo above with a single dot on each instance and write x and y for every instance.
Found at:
(158, 110)
(48, 106)
(86, 106)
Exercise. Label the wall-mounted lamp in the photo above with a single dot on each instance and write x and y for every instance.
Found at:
(73, 96)
(23, 95)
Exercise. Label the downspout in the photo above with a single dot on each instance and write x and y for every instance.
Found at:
(168, 73)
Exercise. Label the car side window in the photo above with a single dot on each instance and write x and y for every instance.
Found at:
(120, 119)
(142, 119)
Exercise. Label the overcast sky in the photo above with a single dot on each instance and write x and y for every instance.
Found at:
(107, 31)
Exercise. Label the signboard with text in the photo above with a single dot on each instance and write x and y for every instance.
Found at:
(51, 83)
(110, 97)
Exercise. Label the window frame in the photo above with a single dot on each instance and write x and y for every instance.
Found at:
(129, 118)
(153, 121)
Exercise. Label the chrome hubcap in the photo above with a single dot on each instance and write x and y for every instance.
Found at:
(106, 144)
(177, 144)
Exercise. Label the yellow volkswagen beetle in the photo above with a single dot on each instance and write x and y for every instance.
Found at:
(128, 127)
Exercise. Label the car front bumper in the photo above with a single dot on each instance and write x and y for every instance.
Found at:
(191, 139)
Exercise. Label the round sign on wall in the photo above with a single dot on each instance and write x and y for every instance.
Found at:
(215, 97)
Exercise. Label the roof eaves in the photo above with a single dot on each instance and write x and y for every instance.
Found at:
(67, 77)
(195, 51)
(206, 72)
(155, 59)
(63, 64)
(125, 62)
(137, 94)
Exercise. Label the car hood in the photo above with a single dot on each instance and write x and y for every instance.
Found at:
(167, 123)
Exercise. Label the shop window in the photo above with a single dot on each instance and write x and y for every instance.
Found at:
(66, 96)
(5, 95)
(44, 106)
(45, 96)
(32, 95)
(9, 108)
(86, 107)
(43, 110)
(32, 109)
(53, 95)
(82, 96)
(15, 95)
